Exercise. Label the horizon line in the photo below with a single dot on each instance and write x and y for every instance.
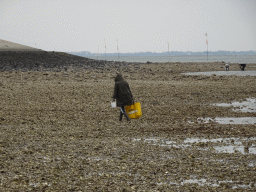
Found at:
(160, 52)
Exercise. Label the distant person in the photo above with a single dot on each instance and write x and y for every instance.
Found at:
(242, 66)
(227, 66)
(122, 95)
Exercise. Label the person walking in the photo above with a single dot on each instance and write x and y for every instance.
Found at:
(122, 95)
(242, 66)
(227, 66)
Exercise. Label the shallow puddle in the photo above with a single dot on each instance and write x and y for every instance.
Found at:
(229, 120)
(218, 145)
(203, 182)
(215, 183)
(233, 149)
(246, 106)
(232, 145)
(237, 73)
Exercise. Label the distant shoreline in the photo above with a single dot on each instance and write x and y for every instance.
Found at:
(60, 61)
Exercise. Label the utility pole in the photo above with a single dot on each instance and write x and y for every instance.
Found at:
(105, 49)
(117, 50)
(168, 51)
(98, 51)
(207, 45)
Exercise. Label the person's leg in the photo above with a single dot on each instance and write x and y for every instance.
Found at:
(125, 114)
(121, 114)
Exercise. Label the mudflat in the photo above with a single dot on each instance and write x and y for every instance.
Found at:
(59, 132)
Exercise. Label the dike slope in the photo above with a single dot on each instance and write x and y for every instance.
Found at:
(10, 46)
(37, 60)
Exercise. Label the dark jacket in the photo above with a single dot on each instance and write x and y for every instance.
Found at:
(122, 92)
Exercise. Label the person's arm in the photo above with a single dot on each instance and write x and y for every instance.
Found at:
(115, 92)
(130, 91)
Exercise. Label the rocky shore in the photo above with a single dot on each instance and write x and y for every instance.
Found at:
(38, 60)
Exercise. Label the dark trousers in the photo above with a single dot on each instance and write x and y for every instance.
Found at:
(123, 112)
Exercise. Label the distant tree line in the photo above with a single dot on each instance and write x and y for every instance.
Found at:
(171, 53)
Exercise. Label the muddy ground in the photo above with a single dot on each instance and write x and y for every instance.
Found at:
(59, 133)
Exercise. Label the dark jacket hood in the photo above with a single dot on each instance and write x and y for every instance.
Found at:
(122, 92)
(119, 78)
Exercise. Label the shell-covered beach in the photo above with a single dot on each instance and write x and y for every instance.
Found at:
(58, 131)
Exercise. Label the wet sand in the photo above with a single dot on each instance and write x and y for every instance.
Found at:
(59, 133)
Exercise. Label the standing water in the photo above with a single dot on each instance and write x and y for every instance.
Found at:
(184, 58)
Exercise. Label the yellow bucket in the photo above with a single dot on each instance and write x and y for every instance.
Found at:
(134, 111)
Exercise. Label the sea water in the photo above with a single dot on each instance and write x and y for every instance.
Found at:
(186, 58)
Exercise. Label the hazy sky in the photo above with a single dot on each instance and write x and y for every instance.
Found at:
(135, 25)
